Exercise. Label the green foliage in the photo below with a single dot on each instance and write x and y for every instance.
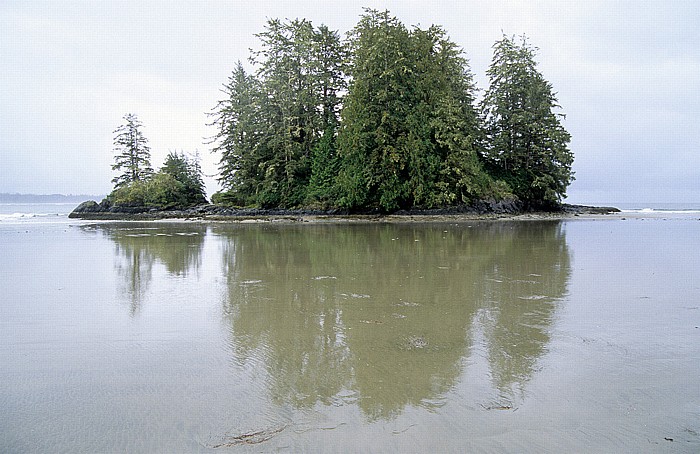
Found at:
(385, 120)
(188, 174)
(165, 191)
(324, 169)
(132, 154)
(241, 133)
(373, 119)
(407, 136)
(177, 184)
(271, 122)
(231, 199)
(132, 194)
(526, 144)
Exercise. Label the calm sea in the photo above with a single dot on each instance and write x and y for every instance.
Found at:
(35, 212)
(535, 336)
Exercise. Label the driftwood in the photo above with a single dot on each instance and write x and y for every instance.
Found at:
(251, 438)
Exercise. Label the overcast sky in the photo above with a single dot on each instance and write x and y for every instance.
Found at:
(627, 76)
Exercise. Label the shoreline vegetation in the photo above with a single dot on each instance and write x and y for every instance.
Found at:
(382, 123)
(387, 118)
(104, 211)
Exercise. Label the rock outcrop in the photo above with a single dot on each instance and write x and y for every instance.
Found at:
(106, 211)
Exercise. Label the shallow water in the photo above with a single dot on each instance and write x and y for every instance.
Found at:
(494, 336)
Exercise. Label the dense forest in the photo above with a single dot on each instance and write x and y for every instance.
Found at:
(385, 118)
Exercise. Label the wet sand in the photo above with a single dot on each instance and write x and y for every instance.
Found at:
(478, 336)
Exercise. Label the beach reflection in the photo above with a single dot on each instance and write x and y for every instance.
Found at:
(389, 316)
(138, 246)
(381, 316)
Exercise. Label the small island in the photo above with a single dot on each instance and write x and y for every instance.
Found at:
(383, 122)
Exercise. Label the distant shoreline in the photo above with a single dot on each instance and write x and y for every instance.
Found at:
(6, 197)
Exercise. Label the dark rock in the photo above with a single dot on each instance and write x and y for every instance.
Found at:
(89, 206)
(583, 209)
(105, 210)
(129, 209)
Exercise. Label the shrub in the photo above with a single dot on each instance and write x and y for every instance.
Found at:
(164, 191)
(132, 194)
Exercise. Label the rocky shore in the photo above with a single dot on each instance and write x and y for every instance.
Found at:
(92, 210)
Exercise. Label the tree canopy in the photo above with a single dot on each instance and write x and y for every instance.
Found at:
(526, 144)
(271, 125)
(409, 125)
(179, 183)
(386, 118)
(132, 155)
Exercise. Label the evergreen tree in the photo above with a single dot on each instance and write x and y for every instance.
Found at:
(271, 123)
(328, 66)
(197, 188)
(188, 173)
(283, 69)
(240, 137)
(408, 124)
(324, 170)
(373, 117)
(526, 144)
(177, 184)
(133, 155)
(448, 171)
(300, 68)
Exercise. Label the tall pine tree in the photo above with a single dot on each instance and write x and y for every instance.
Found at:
(271, 124)
(241, 137)
(374, 162)
(526, 144)
(328, 66)
(408, 124)
(132, 154)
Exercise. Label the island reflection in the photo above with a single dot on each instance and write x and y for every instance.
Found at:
(382, 316)
(386, 316)
(138, 246)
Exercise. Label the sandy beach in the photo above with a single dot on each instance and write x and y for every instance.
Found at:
(375, 333)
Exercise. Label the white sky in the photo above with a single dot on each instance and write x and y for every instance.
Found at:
(627, 74)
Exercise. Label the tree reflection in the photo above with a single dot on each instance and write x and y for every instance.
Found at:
(385, 315)
(282, 312)
(521, 291)
(139, 246)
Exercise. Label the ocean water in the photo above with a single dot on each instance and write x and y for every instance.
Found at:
(35, 212)
(535, 336)
(649, 208)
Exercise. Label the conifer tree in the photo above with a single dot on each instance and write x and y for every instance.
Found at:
(187, 171)
(408, 124)
(328, 66)
(300, 69)
(241, 137)
(271, 123)
(132, 154)
(526, 144)
(449, 170)
(374, 165)
(283, 69)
